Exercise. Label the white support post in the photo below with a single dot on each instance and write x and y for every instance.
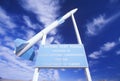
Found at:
(80, 42)
(76, 30)
(37, 69)
(36, 74)
(88, 74)
(43, 39)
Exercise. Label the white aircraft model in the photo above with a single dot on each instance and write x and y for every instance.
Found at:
(24, 48)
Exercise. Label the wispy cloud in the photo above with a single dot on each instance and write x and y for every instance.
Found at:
(49, 75)
(105, 48)
(95, 54)
(21, 69)
(11, 65)
(63, 69)
(96, 25)
(108, 46)
(92, 63)
(30, 24)
(119, 39)
(2, 31)
(56, 75)
(46, 12)
(29, 34)
(10, 70)
(8, 21)
(113, 1)
(80, 80)
(99, 23)
(118, 52)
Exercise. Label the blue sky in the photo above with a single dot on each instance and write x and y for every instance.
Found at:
(98, 24)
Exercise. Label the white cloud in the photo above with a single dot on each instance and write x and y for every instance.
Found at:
(108, 46)
(21, 69)
(46, 11)
(92, 63)
(9, 41)
(63, 69)
(16, 68)
(6, 20)
(56, 75)
(29, 34)
(119, 39)
(97, 25)
(50, 40)
(49, 75)
(118, 52)
(81, 79)
(77, 70)
(5, 50)
(113, 1)
(7, 38)
(95, 54)
(12, 66)
(29, 23)
(58, 39)
(113, 18)
(10, 70)
(8, 54)
(2, 31)
(6, 26)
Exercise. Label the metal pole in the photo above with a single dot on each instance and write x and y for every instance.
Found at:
(88, 74)
(76, 30)
(43, 39)
(80, 42)
(37, 69)
(36, 74)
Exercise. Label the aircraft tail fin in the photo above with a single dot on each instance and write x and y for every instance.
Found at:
(20, 44)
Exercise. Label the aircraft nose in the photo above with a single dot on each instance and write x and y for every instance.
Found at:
(74, 10)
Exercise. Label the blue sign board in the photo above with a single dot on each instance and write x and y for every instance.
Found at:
(61, 55)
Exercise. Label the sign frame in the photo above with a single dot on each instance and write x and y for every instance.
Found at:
(61, 56)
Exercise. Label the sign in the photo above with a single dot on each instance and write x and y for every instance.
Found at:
(61, 55)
